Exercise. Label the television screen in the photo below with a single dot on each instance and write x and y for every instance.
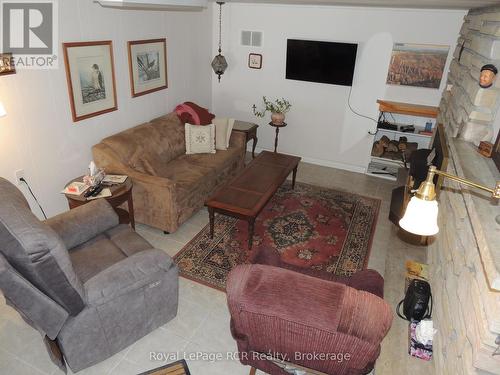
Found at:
(323, 62)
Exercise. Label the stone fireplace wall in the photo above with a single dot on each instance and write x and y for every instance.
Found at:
(467, 110)
(467, 310)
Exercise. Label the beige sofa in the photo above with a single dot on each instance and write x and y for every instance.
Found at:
(169, 186)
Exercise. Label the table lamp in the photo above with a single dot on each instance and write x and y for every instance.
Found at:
(422, 211)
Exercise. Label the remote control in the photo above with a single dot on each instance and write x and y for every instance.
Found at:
(91, 191)
(97, 190)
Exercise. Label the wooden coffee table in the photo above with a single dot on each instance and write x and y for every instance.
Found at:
(248, 193)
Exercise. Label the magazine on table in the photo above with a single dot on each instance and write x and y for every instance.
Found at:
(75, 188)
(114, 179)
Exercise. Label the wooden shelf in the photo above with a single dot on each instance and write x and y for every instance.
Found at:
(407, 109)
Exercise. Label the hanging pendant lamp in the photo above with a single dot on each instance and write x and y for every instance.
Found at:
(219, 63)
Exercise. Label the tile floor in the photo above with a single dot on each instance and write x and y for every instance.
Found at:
(202, 324)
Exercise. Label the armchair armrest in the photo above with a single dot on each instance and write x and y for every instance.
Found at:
(132, 273)
(84, 223)
(285, 312)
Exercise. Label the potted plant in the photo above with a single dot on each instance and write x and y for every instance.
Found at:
(278, 108)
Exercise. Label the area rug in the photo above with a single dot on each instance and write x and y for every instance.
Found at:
(311, 228)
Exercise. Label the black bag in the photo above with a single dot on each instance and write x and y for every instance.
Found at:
(417, 304)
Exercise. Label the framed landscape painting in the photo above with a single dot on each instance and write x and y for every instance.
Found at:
(419, 65)
(148, 66)
(91, 78)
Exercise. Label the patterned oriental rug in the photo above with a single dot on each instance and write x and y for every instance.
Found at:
(311, 229)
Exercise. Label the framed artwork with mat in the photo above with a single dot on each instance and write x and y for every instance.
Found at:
(148, 66)
(90, 73)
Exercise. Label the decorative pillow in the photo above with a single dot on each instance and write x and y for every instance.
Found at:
(192, 113)
(223, 129)
(200, 139)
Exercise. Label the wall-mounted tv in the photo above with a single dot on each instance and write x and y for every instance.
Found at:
(323, 62)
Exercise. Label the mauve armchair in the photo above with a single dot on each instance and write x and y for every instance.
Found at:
(318, 324)
(90, 286)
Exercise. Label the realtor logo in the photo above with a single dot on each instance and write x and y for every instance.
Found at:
(29, 32)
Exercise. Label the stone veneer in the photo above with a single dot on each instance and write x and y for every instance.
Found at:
(467, 310)
(467, 108)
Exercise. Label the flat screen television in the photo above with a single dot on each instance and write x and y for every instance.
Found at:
(323, 62)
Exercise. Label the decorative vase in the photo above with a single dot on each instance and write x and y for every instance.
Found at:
(277, 118)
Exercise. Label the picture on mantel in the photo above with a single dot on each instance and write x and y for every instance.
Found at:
(419, 65)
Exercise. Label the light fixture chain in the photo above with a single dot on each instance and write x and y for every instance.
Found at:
(220, 25)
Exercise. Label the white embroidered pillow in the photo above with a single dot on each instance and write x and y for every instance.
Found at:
(200, 139)
(223, 129)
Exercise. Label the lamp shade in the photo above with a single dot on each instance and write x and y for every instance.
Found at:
(3, 112)
(421, 217)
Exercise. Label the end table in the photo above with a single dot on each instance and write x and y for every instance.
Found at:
(250, 130)
(121, 193)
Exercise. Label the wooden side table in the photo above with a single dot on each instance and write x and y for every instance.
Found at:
(121, 193)
(250, 130)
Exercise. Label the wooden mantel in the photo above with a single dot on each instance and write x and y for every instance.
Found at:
(407, 109)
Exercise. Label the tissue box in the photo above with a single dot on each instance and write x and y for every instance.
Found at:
(416, 349)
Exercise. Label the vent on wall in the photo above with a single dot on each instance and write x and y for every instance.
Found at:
(251, 38)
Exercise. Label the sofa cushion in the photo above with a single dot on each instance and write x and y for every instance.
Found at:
(103, 251)
(185, 174)
(217, 162)
(141, 147)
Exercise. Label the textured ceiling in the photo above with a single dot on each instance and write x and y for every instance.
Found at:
(426, 4)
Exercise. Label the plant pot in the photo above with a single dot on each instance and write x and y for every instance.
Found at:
(277, 118)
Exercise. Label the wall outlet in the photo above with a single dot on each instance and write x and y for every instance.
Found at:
(19, 174)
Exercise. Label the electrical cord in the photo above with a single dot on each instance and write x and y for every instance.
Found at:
(359, 114)
(34, 197)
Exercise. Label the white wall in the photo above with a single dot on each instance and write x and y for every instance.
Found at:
(38, 134)
(321, 128)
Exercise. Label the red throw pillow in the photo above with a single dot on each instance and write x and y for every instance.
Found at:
(192, 113)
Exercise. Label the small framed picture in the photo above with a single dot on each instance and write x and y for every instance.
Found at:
(6, 64)
(91, 78)
(148, 66)
(255, 61)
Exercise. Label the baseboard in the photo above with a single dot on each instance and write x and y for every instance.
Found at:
(321, 162)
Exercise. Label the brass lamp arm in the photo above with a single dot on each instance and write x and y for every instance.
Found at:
(426, 190)
(494, 192)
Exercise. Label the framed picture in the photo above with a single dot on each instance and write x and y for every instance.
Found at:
(148, 66)
(419, 65)
(91, 78)
(6, 64)
(255, 61)
(496, 152)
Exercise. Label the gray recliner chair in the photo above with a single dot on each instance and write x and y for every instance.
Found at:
(92, 286)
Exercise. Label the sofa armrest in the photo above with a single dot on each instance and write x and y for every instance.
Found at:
(238, 139)
(83, 223)
(130, 274)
